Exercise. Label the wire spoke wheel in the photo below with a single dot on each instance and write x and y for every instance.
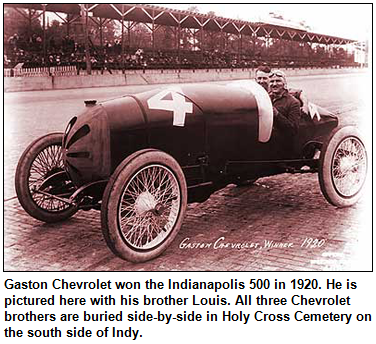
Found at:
(149, 207)
(46, 163)
(144, 205)
(42, 159)
(349, 168)
(343, 167)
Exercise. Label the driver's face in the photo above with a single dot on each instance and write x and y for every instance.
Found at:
(262, 79)
(277, 84)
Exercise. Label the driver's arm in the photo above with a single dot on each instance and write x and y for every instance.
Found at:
(288, 122)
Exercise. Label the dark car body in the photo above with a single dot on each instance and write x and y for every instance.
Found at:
(217, 132)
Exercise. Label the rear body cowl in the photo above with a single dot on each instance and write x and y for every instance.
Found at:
(100, 138)
(86, 146)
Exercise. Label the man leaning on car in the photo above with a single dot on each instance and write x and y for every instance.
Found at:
(262, 76)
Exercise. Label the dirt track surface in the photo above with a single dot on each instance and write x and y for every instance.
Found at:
(284, 209)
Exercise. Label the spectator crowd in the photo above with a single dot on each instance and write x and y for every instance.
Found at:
(31, 53)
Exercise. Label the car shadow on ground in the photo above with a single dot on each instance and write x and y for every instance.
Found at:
(282, 209)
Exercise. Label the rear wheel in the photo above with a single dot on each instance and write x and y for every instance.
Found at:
(343, 167)
(42, 159)
(144, 205)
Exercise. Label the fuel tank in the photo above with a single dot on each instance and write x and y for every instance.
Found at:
(200, 126)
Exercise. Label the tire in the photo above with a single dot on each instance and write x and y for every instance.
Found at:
(39, 161)
(343, 167)
(144, 205)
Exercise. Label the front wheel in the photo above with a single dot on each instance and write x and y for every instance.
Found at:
(144, 205)
(343, 167)
(42, 159)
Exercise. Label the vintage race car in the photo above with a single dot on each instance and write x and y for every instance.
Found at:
(142, 157)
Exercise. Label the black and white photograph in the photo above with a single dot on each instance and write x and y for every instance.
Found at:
(187, 137)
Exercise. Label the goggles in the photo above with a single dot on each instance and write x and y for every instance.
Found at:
(277, 73)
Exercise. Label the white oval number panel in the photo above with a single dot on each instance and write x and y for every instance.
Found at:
(176, 104)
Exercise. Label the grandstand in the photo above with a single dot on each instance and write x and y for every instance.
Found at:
(154, 37)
